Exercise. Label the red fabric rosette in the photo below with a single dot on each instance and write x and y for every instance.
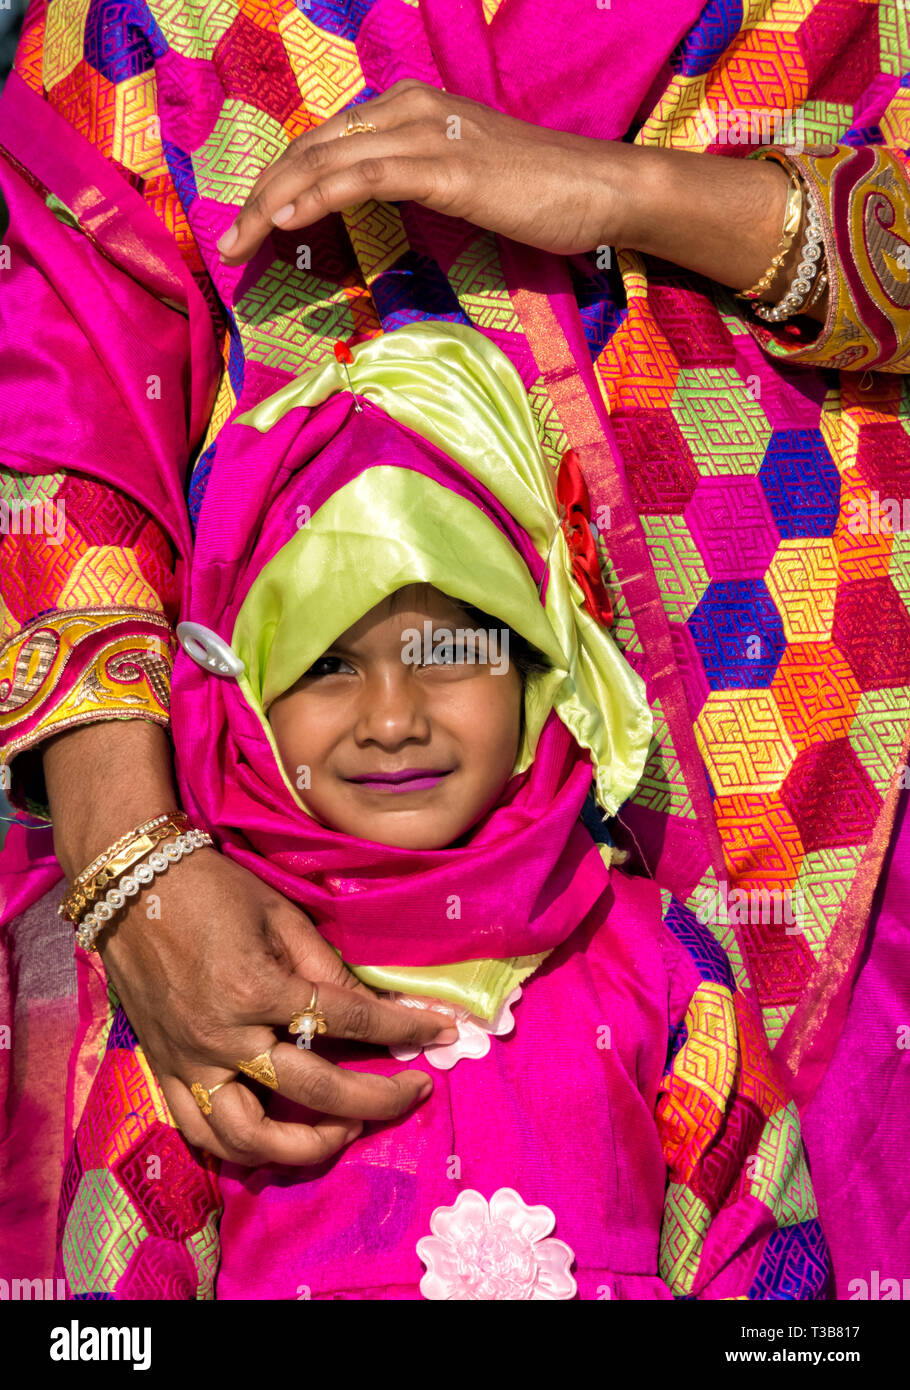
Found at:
(572, 495)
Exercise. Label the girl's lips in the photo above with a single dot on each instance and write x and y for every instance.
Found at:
(418, 783)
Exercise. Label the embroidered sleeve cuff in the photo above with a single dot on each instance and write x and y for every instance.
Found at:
(863, 198)
(75, 666)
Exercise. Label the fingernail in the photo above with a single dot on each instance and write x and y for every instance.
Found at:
(425, 1091)
(283, 214)
(448, 1035)
(227, 241)
(355, 1129)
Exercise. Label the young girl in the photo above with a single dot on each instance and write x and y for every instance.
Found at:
(404, 665)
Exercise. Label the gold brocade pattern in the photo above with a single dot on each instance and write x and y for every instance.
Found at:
(75, 666)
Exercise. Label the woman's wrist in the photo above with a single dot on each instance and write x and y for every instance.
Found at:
(713, 214)
(103, 779)
(96, 905)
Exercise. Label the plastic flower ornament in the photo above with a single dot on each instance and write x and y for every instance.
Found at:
(500, 1250)
(473, 1033)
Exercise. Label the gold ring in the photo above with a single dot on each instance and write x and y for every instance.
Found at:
(262, 1069)
(356, 125)
(308, 1022)
(202, 1095)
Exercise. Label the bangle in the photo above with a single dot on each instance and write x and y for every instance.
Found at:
(806, 271)
(120, 844)
(793, 216)
(819, 289)
(131, 882)
(116, 859)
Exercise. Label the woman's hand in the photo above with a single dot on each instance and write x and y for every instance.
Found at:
(538, 186)
(212, 979)
(220, 964)
(563, 193)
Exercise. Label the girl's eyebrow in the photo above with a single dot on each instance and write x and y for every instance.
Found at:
(339, 649)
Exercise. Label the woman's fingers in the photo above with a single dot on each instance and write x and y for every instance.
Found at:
(386, 112)
(359, 1016)
(305, 955)
(185, 1112)
(310, 1080)
(320, 180)
(351, 1008)
(239, 1131)
(320, 173)
(248, 1136)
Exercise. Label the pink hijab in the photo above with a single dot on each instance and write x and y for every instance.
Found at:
(530, 871)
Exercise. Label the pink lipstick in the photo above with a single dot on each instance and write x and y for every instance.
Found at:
(409, 779)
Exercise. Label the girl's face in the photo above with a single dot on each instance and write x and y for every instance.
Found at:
(378, 705)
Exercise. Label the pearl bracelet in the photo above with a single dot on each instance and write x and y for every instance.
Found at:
(806, 272)
(131, 882)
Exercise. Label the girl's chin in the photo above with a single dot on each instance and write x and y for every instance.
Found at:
(418, 836)
(412, 829)
(401, 822)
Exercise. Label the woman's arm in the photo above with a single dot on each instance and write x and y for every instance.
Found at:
(560, 192)
(717, 215)
(862, 194)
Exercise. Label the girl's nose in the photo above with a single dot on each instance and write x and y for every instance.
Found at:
(392, 709)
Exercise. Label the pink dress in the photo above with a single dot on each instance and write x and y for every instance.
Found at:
(561, 1111)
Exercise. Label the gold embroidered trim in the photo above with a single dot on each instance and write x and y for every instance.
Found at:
(112, 685)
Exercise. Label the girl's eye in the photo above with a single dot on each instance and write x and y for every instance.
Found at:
(325, 666)
(448, 656)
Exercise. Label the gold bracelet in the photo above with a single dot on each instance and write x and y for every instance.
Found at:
(120, 844)
(79, 900)
(811, 253)
(131, 884)
(120, 863)
(116, 860)
(793, 216)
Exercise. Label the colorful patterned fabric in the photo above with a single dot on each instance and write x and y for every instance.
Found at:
(70, 543)
(75, 667)
(731, 1136)
(734, 459)
(141, 1207)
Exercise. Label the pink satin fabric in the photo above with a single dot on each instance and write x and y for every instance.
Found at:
(348, 1228)
(536, 60)
(87, 325)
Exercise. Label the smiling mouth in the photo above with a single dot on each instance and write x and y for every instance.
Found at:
(411, 779)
